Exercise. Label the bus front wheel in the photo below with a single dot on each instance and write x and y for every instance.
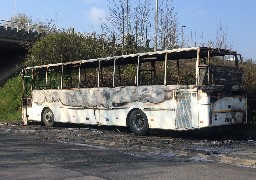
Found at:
(48, 117)
(138, 122)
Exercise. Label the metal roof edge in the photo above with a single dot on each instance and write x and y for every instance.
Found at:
(132, 55)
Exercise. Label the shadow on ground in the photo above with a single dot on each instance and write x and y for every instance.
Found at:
(235, 132)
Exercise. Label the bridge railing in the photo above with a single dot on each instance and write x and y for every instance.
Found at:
(28, 27)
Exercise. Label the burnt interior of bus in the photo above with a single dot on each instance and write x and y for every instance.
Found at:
(220, 68)
(216, 67)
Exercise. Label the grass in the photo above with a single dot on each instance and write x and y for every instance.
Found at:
(10, 100)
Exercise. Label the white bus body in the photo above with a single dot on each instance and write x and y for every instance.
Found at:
(170, 107)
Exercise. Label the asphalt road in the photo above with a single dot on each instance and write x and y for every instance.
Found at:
(23, 156)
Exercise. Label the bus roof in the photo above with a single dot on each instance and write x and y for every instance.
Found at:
(180, 53)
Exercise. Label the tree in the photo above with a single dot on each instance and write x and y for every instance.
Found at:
(120, 21)
(222, 38)
(21, 20)
(221, 41)
(133, 21)
(66, 46)
(142, 26)
(129, 24)
(168, 26)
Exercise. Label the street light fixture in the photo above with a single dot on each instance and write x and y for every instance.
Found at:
(182, 36)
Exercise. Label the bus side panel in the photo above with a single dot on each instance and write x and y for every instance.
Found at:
(195, 110)
(64, 114)
(229, 110)
(87, 116)
(75, 115)
(34, 112)
(24, 115)
(113, 117)
(161, 119)
(161, 115)
(203, 109)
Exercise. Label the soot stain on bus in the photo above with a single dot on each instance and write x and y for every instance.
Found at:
(106, 97)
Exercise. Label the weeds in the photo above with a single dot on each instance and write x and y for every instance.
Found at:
(10, 100)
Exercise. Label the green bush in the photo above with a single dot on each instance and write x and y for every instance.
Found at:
(249, 68)
(10, 100)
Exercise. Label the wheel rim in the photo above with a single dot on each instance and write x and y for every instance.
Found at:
(48, 116)
(138, 122)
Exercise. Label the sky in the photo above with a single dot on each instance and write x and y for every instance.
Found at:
(198, 16)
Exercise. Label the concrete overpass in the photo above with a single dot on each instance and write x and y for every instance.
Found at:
(13, 38)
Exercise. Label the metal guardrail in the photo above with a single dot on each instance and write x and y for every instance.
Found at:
(28, 27)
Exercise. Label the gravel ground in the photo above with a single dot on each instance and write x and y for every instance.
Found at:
(194, 146)
(101, 153)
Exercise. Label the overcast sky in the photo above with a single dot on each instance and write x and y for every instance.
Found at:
(199, 17)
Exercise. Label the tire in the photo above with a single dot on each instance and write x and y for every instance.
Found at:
(138, 122)
(48, 117)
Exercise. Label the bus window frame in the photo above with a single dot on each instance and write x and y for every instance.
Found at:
(136, 59)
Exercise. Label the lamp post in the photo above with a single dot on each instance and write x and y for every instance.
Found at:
(182, 36)
(156, 26)
(14, 7)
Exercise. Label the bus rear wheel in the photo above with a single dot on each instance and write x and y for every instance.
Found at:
(138, 122)
(48, 117)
